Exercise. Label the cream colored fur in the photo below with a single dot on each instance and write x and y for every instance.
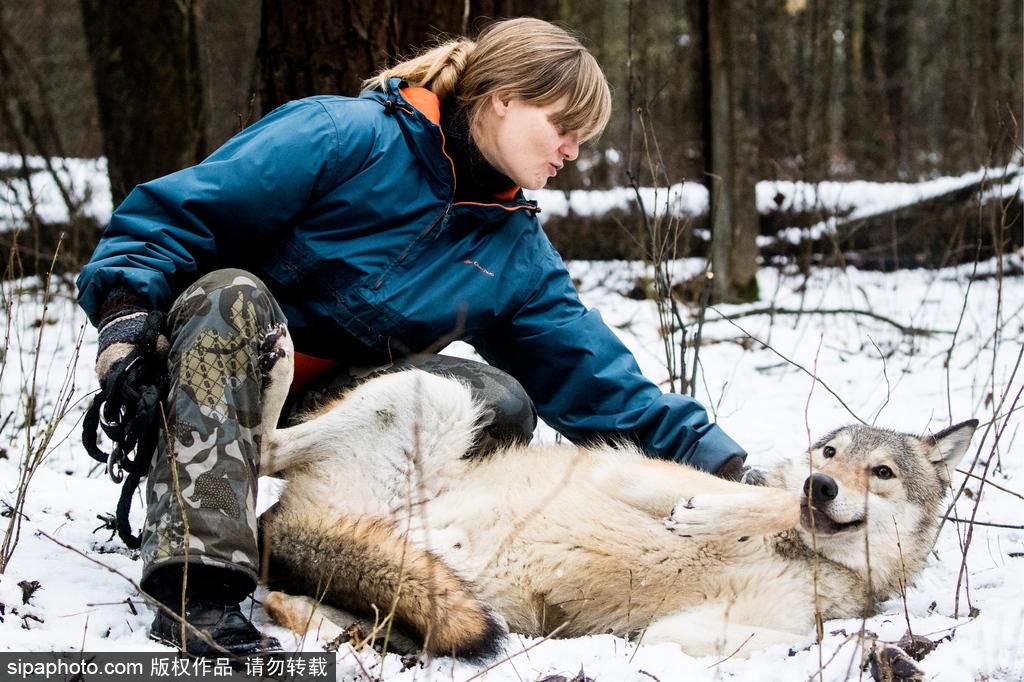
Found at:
(575, 541)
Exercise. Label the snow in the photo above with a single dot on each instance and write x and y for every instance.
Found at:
(84, 179)
(862, 197)
(842, 200)
(912, 383)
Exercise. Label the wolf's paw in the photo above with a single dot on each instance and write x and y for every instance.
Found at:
(277, 358)
(700, 516)
(300, 614)
(755, 511)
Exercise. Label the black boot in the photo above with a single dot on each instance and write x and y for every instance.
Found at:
(212, 598)
(224, 624)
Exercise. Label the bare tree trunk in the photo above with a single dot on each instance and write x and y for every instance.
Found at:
(731, 41)
(877, 107)
(819, 139)
(897, 78)
(145, 61)
(778, 88)
(318, 47)
(312, 47)
(853, 123)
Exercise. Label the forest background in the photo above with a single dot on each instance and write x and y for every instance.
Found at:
(724, 94)
(848, 170)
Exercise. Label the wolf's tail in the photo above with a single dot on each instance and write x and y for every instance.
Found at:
(362, 562)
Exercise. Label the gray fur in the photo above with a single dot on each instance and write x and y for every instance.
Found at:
(921, 465)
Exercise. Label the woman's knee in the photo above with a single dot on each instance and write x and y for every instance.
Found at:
(514, 414)
(219, 280)
(231, 300)
(509, 416)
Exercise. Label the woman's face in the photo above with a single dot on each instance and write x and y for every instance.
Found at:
(520, 140)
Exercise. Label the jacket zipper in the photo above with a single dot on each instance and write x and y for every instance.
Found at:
(405, 253)
(377, 285)
(451, 163)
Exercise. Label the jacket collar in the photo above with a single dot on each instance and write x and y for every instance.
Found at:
(418, 111)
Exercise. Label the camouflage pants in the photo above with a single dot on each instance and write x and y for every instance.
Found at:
(201, 490)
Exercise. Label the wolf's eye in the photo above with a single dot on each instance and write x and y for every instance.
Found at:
(883, 472)
(829, 452)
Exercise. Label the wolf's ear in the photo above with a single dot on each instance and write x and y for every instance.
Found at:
(950, 444)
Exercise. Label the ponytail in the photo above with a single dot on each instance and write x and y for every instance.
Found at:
(527, 59)
(438, 69)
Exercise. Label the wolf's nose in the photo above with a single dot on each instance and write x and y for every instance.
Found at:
(821, 488)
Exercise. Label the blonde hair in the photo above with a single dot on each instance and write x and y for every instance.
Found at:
(527, 59)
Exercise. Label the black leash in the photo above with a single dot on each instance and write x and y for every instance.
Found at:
(127, 408)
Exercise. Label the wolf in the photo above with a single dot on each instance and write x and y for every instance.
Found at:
(383, 513)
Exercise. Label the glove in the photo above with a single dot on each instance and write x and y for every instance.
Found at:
(121, 330)
(734, 469)
(132, 368)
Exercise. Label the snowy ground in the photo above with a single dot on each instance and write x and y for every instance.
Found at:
(914, 383)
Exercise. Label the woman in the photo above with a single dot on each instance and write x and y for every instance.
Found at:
(379, 229)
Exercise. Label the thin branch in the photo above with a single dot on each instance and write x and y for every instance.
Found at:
(977, 501)
(152, 601)
(494, 665)
(705, 301)
(956, 332)
(772, 310)
(792, 362)
(988, 426)
(849, 638)
(885, 375)
(735, 651)
(819, 626)
(981, 523)
(990, 482)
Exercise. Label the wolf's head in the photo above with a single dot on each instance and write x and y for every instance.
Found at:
(873, 497)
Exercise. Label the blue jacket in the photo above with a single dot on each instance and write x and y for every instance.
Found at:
(343, 206)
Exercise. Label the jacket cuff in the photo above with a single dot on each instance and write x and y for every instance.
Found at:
(713, 450)
(121, 302)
